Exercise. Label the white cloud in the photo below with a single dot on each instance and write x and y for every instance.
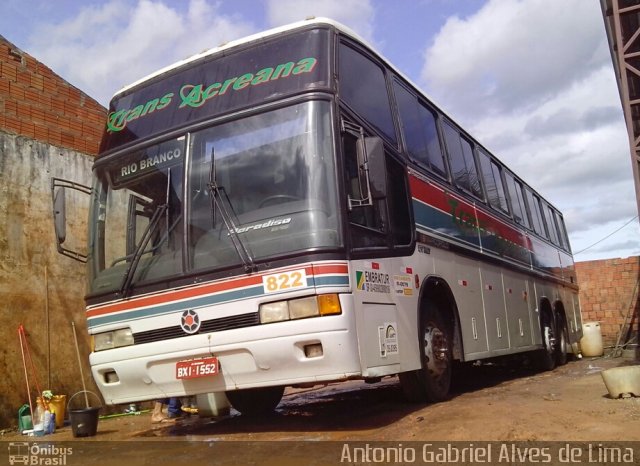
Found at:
(533, 81)
(356, 14)
(111, 45)
(514, 52)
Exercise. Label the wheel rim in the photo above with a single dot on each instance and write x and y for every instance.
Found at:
(436, 351)
(549, 339)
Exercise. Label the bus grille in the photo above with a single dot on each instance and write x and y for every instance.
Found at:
(207, 326)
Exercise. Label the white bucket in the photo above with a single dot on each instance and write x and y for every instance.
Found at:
(622, 381)
(591, 342)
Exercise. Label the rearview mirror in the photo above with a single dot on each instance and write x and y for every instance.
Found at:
(377, 167)
(60, 214)
(59, 195)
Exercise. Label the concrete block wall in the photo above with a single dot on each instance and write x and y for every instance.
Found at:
(48, 128)
(608, 293)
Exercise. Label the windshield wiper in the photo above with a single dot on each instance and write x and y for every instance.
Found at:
(217, 201)
(137, 254)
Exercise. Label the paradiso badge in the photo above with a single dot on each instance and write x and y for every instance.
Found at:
(190, 321)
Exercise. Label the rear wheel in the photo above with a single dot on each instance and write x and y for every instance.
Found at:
(255, 401)
(562, 341)
(546, 357)
(432, 382)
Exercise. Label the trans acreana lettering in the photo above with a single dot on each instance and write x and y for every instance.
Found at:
(196, 95)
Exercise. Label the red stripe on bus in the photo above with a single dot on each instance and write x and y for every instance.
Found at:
(437, 197)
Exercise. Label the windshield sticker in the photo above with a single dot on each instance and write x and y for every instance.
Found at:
(373, 282)
(274, 222)
(196, 95)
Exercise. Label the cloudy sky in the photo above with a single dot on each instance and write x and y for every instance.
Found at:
(531, 79)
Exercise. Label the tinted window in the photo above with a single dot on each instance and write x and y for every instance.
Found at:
(551, 225)
(463, 168)
(493, 182)
(534, 209)
(363, 88)
(517, 202)
(420, 133)
(398, 196)
(563, 231)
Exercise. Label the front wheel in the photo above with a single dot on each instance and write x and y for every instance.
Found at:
(432, 382)
(255, 401)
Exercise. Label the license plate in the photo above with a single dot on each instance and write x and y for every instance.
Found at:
(197, 368)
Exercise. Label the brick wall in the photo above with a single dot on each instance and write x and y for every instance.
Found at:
(37, 103)
(608, 292)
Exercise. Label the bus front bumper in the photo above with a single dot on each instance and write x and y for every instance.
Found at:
(284, 354)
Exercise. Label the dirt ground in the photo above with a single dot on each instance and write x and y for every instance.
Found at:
(489, 403)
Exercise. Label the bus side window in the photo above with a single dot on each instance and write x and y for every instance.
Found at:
(420, 133)
(533, 203)
(493, 182)
(517, 201)
(363, 88)
(398, 202)
(563, 231)
(463, 168)
(551, 225)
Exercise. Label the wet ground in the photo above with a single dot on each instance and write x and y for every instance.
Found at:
(488, 403)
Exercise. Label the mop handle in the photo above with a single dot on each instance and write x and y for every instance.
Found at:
(24, 364)
(84, 388)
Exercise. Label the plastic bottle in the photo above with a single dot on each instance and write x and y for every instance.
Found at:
(38, 421)
(47, 421)
(52, 428)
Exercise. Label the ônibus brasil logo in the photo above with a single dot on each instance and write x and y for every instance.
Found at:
(36, 453)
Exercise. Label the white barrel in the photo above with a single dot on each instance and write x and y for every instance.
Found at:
(591, 342)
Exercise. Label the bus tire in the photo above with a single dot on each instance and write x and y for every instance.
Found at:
(255, 401)
(546, 357)
(433, 380)
(562, 341)
(412, 386)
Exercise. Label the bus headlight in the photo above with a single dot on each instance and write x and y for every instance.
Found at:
(113, 339)
(300, 308)
(274, 312)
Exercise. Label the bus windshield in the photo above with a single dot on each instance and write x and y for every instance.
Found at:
(275, 194)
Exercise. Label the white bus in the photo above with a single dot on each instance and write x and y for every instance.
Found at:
(288, 209)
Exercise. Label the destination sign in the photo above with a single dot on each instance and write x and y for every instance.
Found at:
(217, 84)
(154, 158)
